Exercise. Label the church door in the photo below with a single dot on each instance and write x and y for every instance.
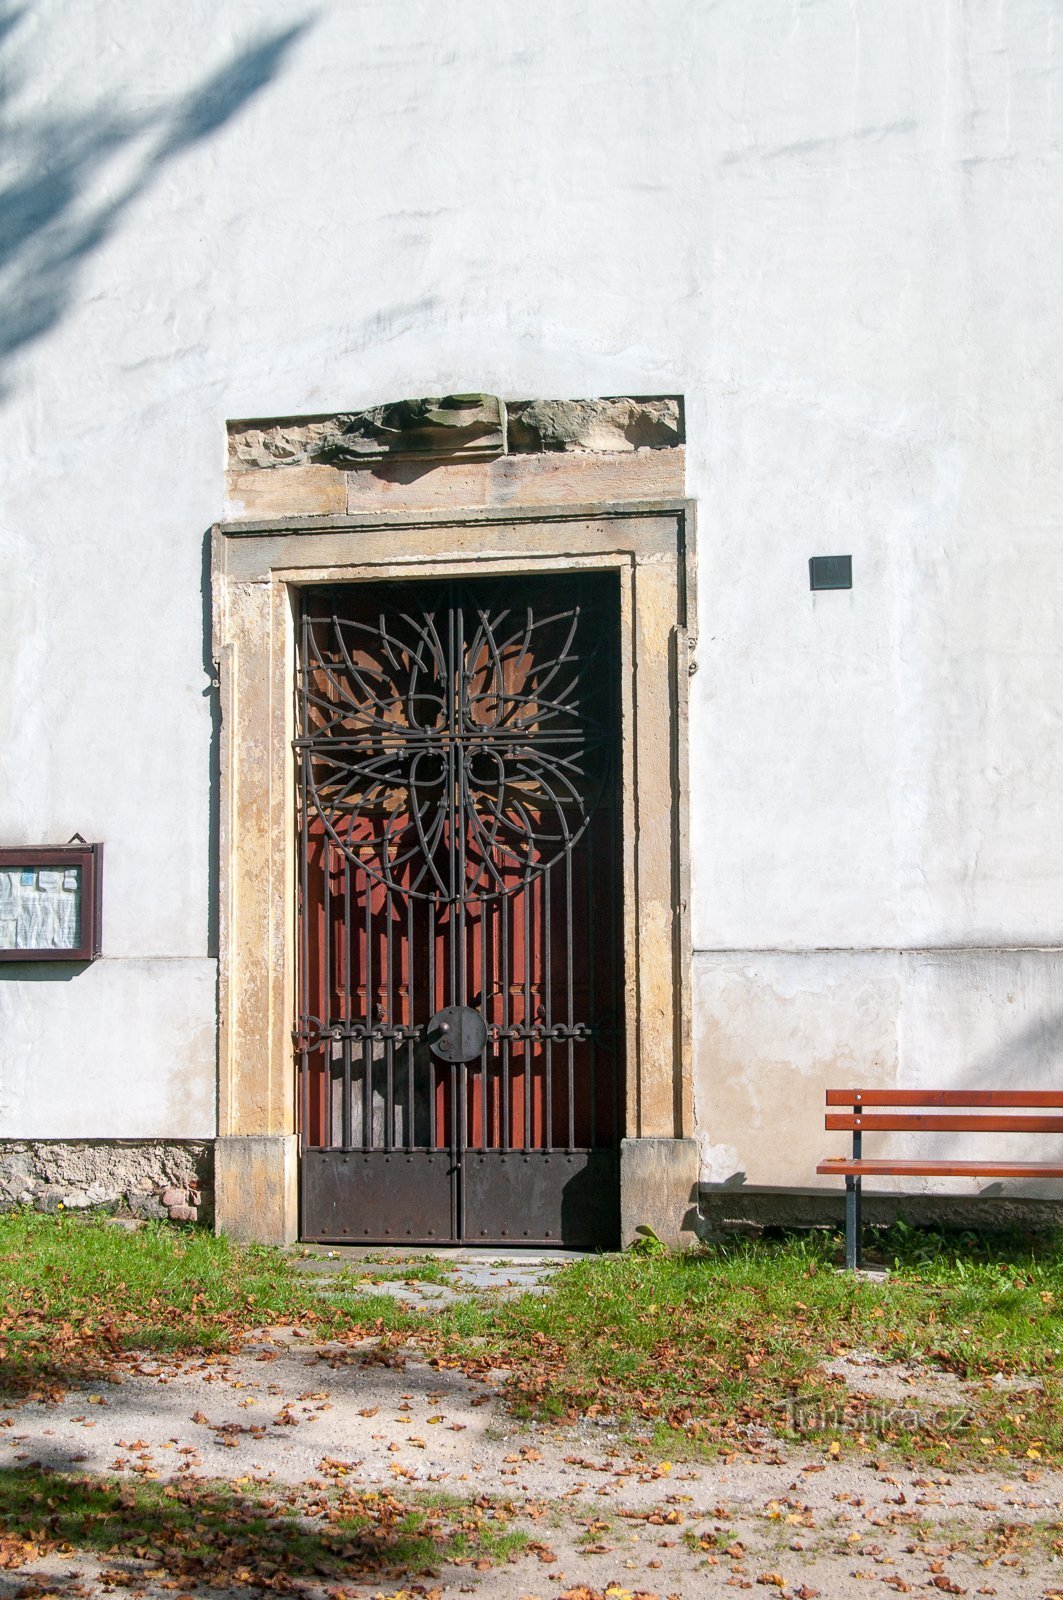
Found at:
(460, 1029)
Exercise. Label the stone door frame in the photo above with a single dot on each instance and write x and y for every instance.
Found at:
(258, 570)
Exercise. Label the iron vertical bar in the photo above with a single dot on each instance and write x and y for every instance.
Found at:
(411, 1131)
(504, 920)
(452, 820)
(591, 957)
(346, 1131)
(617, 1057)
(527, 908)
(457, 1192)
(457, 901)
(388, 1018)
(326, 975)
(481, 921)
(304, 1025)
(461, 801)
(570, 1016)
(429, 1057)
(367, 1019)
(389, 1091)
(486, 1132)
(548, 991)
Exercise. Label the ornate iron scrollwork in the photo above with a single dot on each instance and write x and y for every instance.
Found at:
(454, 753)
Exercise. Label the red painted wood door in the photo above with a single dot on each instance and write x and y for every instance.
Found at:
(458, 756)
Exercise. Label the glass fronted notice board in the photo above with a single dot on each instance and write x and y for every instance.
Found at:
(50, 902)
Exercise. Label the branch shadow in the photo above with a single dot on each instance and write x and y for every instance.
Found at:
(50, 221)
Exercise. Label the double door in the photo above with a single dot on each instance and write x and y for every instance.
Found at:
(460, 1029)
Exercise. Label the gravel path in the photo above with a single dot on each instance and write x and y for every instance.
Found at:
(285, 1411)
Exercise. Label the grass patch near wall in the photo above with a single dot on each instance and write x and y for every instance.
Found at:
(77, 1292)
(709, 1349)
(248, 1534)
(732, 1347)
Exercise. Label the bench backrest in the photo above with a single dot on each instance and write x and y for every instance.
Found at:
(897, 1119)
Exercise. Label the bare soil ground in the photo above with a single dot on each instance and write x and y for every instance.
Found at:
(605, 1516)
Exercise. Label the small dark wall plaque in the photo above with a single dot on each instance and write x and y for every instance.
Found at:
(830, 572)
(50, 901)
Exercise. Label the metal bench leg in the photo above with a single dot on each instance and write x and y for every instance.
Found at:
(852, 1223)
(852, 1204)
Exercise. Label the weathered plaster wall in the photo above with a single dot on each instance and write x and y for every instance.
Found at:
(834, 229)
(781, 1028)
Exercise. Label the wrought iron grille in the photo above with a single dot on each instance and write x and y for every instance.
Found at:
(457, 752)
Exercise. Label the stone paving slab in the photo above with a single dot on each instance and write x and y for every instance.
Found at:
(335, 1271)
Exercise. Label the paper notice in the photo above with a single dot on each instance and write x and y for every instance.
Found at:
(39, 910)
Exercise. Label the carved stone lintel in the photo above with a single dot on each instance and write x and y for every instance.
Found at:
(605, 426)
(284, 443)
(458, 427)
(451, 425)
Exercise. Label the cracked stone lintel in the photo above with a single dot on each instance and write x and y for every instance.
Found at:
(464, 426)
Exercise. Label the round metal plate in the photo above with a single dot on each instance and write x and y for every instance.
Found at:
(457, 1033)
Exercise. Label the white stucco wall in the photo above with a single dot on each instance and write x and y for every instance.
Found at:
(835, 229)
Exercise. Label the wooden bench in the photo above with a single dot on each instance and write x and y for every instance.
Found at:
(867, 1116)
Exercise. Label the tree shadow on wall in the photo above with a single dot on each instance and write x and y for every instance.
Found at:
(52, 216)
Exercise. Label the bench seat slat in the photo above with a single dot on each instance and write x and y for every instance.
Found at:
(1030, 1098)
(842, 1166)
(932, 1122)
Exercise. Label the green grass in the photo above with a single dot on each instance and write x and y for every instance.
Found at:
(78, 1290)
(696, 1352)
(231, 1536)
(700, 1348)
